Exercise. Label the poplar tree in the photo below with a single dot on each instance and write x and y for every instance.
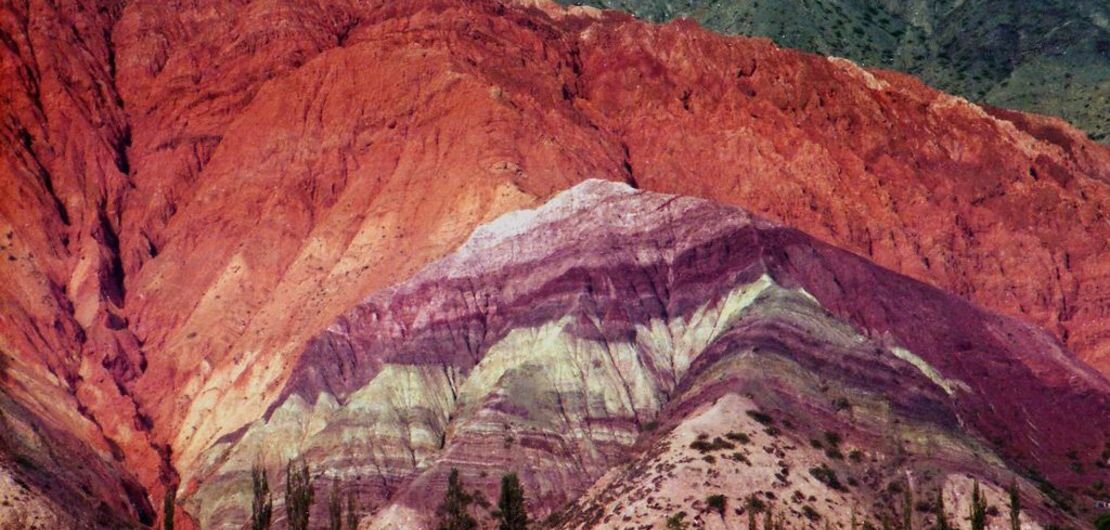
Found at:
(352, 511)
(907, 507)
(511, 514)
(262, 502)
(978, 510)
(298, 494)
(335, 508)
(453, 512)
(168, 503)
(942, 518)
(1015, 507)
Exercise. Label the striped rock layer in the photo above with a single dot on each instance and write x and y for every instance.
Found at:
(563, 341)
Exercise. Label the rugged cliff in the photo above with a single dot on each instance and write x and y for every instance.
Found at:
(191, 195)
(1050, 57)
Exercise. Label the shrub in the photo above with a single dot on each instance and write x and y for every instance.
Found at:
(716, 503)
(700, 446)
(738, 437)
(827, 476)
(717, 444)
(677, 521)
(755, 504)
(761, 417)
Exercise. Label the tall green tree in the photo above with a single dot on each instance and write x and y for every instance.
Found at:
(352, 510)
(511, 514)
(1015, 506)
(335, 508)
(907, 507)
(978, 510)
(454, 512)
(262, 502)
(942, 517)
(298, 494)
(168, 503)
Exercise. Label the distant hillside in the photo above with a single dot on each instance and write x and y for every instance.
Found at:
(1050, 57)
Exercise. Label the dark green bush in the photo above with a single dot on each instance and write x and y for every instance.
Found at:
(761, 417)
(827, 476)
(738, 437)
(716, 503)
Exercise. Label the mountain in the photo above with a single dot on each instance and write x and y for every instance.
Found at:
(193, 195)
(1048, 57)
(551, 340)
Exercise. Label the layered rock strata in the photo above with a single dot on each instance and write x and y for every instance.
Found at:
(553, 338)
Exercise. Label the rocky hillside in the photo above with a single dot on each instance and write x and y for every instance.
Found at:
(192, 195)
(1050, 57)
(554, 339)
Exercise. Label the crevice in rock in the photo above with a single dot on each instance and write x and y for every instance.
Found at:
(44, 176)
(136, 493)
(121, 144)
(626, 164)
(112, 275)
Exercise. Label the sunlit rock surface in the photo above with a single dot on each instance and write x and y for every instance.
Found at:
(557, 343)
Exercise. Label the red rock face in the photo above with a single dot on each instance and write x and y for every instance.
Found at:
(190, 194)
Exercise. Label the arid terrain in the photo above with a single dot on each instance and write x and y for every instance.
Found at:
(397, 238)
